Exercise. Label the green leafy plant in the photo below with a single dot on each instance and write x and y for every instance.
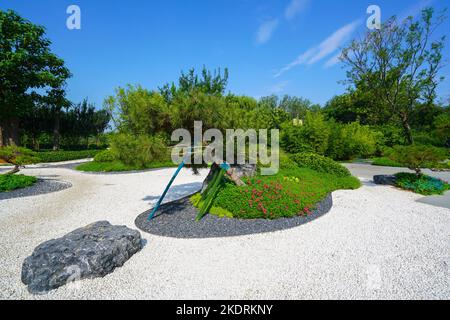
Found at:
(105, 156)
(423, 184)
(62, 155)
(18, 157)
(138, 151)
(320, 163)
(416, 157)
(9, 182)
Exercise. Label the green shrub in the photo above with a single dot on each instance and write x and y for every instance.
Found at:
(385, 162)
(272, 197)
(312, 136)
(320, 163)
(423, 184)
(118, 166)
(105, 156)
(9, 182)
(416, 157)
(18, 156)
(348, 141)
(138, 151)
(62, 155)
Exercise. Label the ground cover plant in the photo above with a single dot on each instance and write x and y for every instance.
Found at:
(422, 184)
(294, 191)
(9, 182)
(62, 155)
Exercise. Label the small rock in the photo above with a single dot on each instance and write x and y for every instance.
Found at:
(88, 252)
(385, 180)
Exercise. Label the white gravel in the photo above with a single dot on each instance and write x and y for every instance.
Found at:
(376, 243)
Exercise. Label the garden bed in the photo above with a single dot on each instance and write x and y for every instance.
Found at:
(42, 186)
(177, 220)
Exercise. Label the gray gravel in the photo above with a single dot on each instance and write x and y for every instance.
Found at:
(177, 219)
(42, 186)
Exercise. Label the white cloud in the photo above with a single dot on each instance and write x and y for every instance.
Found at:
(294, 7)
(266, 31)
(278, 87)
(324, 49)
(333, 61)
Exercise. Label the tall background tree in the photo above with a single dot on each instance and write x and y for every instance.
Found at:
(399, 65)
(29, 73)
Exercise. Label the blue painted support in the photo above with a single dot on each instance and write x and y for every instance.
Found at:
(158, 204)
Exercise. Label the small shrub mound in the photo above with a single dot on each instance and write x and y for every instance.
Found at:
(321, 164)
(385, 162)
(9, 182)
(422, 184)
(61, 155)
(105, 156)
(290, 193)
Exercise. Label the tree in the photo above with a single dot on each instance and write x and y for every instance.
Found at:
(416, 157)
(209, 83)
(28, 69)
(398, 64)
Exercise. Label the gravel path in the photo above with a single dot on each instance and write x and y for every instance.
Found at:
(376, 242)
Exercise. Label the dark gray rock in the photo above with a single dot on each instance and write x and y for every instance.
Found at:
(88, 252)
(385, 180)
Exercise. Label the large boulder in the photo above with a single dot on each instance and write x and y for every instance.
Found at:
(88, 252)
(385, 180)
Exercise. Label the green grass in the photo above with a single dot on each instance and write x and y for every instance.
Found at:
(385, 162)
(118, 166)
(61, 155)
(292, 192)
(9, 182)
(424, 184)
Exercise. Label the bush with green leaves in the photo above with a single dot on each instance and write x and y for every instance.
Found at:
(416, 157)
(311, 136)
(290, 193)
(320, 163)
(348, 141)
(63, 155)
(18, 155)
(138, 151)
(9, 182)
(105, 156)
(423, 184)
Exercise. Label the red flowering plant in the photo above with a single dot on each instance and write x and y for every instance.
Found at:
(288, 194)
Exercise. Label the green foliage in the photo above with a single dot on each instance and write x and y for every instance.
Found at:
(320, 163)
(29, 73)
(385, 162)
(416, 157)
(138, 151)
(105, 156)
(353, 140)
(312, 136)
(272, 197)
(9, 182)
(398, 65)
(118, 166)
(61, 155)
(18, 156)
(423, 184)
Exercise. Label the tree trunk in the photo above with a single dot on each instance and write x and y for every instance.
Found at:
(10, 132)
(56, 133)
(1, 135)
(407, 130)
(15, 170)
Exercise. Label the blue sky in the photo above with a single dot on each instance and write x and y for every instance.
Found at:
(270, 47)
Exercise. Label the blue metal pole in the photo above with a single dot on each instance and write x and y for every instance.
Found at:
(152, 214)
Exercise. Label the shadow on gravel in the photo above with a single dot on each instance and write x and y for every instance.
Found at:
(176, 219)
